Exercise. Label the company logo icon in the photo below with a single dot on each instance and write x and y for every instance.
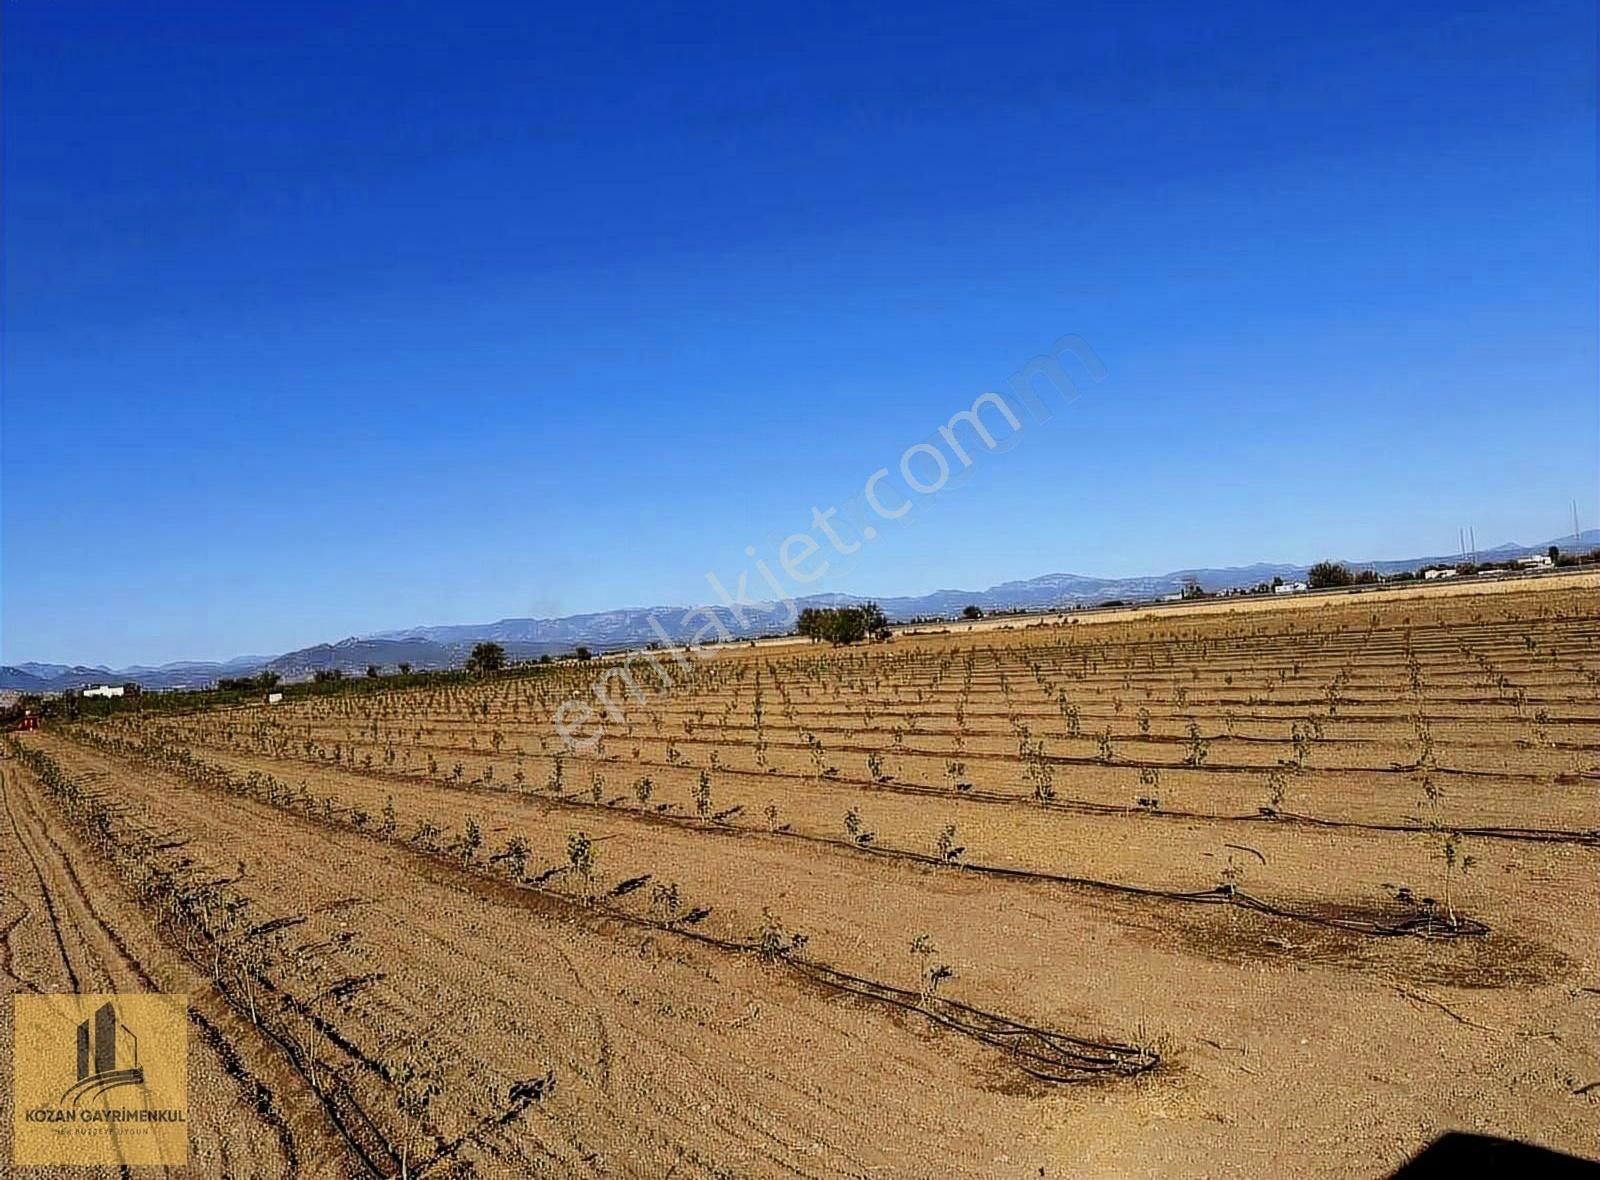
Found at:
(100, 1079)
(99, 1066)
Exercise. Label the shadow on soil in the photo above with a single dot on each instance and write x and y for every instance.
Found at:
(1493, 960)
(1458, 1154)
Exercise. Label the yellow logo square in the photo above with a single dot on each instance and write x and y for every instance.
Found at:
(101, 1079)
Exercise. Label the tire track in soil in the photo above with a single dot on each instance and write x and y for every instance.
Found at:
(7, 787)
(7, 954)
(341, 1152)
(13, 797)
(220, 1028)
(229, 1058)
(784, 1148)
(328, 841)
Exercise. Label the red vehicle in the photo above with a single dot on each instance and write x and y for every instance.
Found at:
(29, 721)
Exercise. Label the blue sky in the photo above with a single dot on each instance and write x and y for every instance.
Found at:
(327, 319)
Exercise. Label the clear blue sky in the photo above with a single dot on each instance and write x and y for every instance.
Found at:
(322, 319)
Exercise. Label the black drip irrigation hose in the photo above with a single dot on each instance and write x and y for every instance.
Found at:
(349, 1118)
(1086, 762)
(1041, 1053)
(1580, 837)
(1530, 835)
(1426, 925)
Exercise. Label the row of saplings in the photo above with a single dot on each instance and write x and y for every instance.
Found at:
(512, 858)
(772, 941)
(667, 907)
(1038, 773)
(290, 983)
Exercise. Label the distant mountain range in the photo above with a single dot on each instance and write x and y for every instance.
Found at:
(448, 646)
(42, 678)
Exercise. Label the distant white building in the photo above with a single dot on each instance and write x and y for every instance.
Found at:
(1430, 575)
(274, 698)
(1290, 587)
(1538, 561)
(105, 690)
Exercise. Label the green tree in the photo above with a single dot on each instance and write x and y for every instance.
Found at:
(1327, 574)
(840, 625)
(845, 625)
(972, 612)
(486, 657)
(874, 620)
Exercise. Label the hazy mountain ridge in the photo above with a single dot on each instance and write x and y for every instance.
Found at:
(447, 646)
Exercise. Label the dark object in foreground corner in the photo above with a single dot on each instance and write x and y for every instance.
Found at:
(1457, 1154)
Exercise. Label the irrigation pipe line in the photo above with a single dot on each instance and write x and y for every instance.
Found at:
(1046, 1055)
(1536, 778)
(344, 1112)
(1041, 1053)
(1590, 838)
(1426, 925)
